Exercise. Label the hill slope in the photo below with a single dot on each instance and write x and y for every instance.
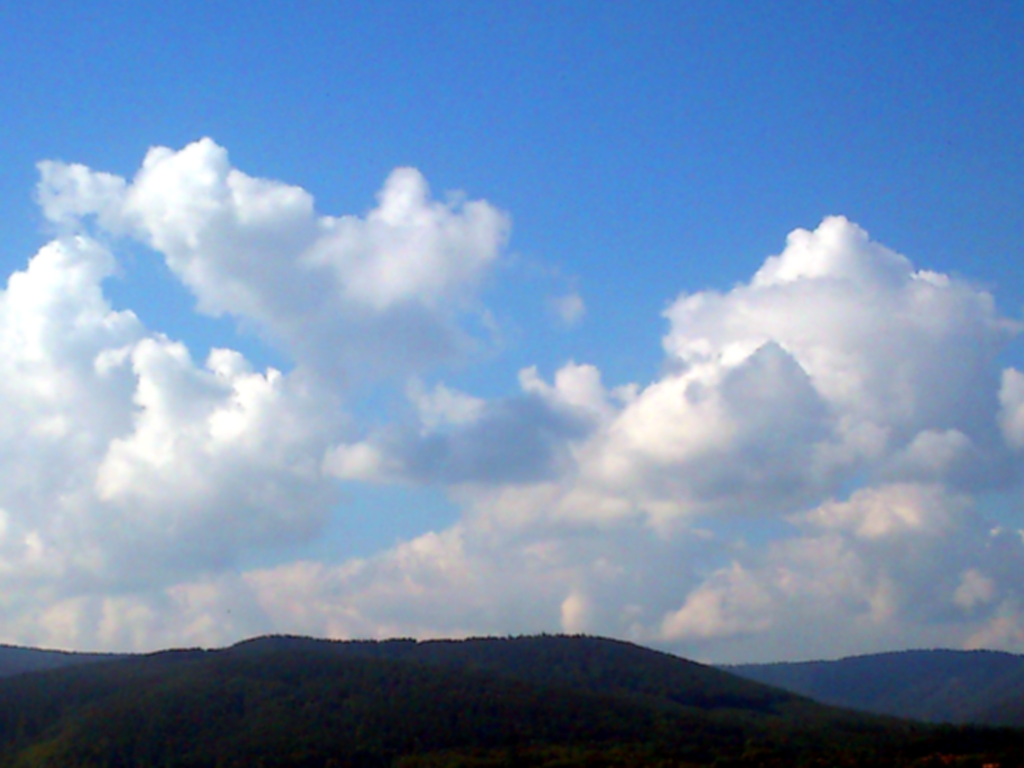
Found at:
(15, 660)
(592, 664)
(938, 686)
(527, 701)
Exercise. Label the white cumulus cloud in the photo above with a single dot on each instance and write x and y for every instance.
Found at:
(806, 475)
(330, 291)
(850, 399)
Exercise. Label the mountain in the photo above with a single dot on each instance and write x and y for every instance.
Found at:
(591, 664)
(14, 660)
(531, 701)
(985, 687)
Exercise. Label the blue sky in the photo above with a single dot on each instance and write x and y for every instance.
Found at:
(860, 416)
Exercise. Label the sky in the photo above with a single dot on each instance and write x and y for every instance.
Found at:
(695, 324)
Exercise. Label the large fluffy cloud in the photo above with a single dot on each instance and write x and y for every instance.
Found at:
(809, 474)
(837, 360)
(838, 369)
(905, 359)
(127, 464)
(331, 292)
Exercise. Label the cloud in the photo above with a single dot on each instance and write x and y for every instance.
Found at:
(459, 439)
(469, 579)
(219, 446)
(130, 470)
(837, 360)
(892, 351)
(807, 475)
(330, 292)
(895, 566)
(1011, 399)
(123, 460)
(569, 309)
(839, 364)
(900, 565)
(975, 589)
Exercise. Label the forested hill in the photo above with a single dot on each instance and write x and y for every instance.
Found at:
(15, 660)
(592, 664)
(543, 701)
(938, 685)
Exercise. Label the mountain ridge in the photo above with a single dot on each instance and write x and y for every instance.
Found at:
(17, 659)
(932, 685)
(294, 701)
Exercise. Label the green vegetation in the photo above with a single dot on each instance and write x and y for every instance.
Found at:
(545, 701)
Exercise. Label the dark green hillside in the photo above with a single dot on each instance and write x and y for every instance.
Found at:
(529, 701)
(938, 686)
(15, 660)
(307, 709)
(592, 664)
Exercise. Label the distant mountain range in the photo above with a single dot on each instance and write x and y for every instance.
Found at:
(936, 686)
(529, 701)
(15, 660)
